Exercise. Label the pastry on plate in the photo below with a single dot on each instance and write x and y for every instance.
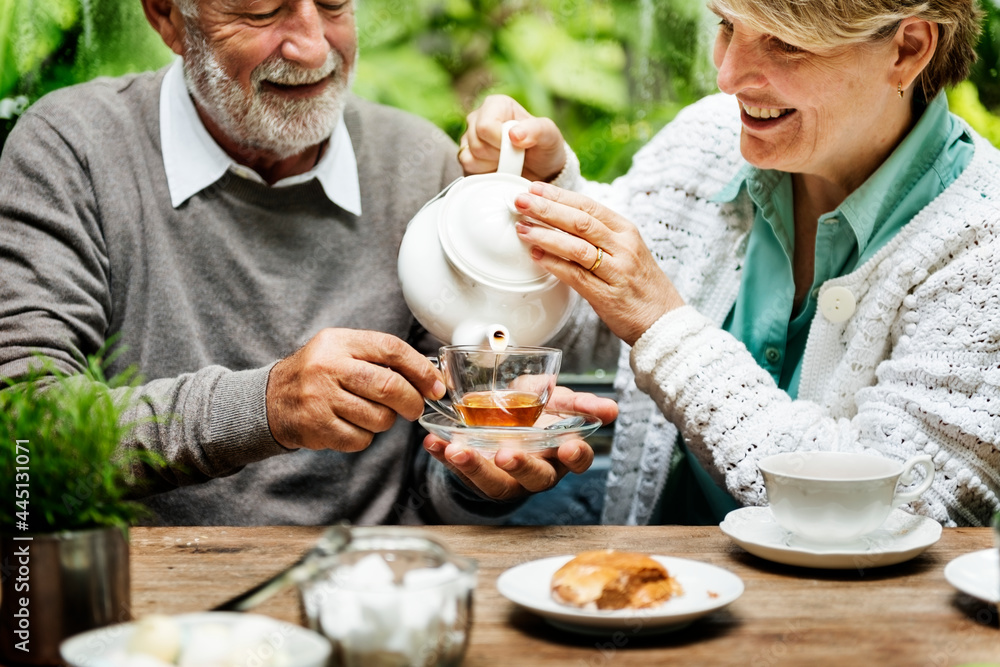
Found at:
(612, 579)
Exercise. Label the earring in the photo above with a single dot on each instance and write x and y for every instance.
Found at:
(899, 88)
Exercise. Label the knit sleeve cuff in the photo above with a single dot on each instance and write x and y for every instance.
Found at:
(569, 178)
(239, 432)
(658, 358)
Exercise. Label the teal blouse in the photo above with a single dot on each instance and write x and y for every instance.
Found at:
(926, 162)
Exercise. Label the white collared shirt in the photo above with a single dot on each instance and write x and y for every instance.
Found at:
(193, 161)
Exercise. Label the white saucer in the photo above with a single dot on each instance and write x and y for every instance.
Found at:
(529, 439)
(706, 589)
(902, 537)
(289, 644)
(976, 574)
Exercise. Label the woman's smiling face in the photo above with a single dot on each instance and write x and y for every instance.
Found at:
(832, 113)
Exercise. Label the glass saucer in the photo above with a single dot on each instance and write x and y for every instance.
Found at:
(489, 439)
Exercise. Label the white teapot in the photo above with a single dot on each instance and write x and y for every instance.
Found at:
(465, 274)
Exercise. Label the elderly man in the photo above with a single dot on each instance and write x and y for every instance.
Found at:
(237, 208)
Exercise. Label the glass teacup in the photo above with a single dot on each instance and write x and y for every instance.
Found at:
(505, 387)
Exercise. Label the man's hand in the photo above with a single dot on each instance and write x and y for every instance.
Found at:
(344, 386)
(512, 474)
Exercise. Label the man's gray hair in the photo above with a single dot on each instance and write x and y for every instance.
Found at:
(188, 8)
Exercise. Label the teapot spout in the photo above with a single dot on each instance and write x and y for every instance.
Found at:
(496, 336)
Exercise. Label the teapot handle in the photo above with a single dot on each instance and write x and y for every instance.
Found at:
(511, 158)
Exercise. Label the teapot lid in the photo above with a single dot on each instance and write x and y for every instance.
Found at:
(477, 232)
(476, 228)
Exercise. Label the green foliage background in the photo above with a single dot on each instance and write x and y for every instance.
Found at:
(610, 72)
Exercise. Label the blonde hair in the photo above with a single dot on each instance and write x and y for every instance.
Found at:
(831, 23)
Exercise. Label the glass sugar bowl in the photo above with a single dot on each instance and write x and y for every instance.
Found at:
(392, 597)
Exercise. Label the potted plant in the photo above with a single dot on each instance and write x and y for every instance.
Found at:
(64, 507)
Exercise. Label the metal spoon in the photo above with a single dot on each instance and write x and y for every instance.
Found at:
(331, 542)
(572, 421)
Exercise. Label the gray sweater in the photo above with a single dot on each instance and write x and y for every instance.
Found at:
(205, 298)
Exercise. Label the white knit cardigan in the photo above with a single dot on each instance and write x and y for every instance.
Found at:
(915, 370)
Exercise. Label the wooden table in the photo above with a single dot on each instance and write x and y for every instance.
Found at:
(905, 614)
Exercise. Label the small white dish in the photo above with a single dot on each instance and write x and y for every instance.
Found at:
(274, 643)
(707, 588)
(976, 574)
(902, 537)
(530, 439)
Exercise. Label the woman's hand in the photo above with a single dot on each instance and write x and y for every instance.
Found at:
(627, 288)
(479, 147)
(512, 474)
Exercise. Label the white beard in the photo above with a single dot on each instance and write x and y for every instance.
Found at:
(260, 120)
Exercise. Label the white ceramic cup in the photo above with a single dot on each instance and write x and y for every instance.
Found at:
(837, 497)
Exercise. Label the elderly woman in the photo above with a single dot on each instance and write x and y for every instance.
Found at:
(808, 261)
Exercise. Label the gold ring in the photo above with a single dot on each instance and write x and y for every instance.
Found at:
(460, 149)
(597, 262)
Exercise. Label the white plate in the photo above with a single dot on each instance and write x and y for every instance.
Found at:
(299, 646)
(902, 537)
(706, 589)
(529, 439)
(976, 574)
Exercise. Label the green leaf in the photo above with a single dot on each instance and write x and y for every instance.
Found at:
(597, 20)
(586, 75)
(404, 77)
(587, 71)
(117, 39)
(38, 30)
(388, 22)
(963, 99)
(8, 72)
(459, 10)
(523, 84)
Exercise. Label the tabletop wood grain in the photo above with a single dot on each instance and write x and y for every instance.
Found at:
(906, 614)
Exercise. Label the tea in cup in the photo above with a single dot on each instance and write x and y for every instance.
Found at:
(497, 387)
(837, 497)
